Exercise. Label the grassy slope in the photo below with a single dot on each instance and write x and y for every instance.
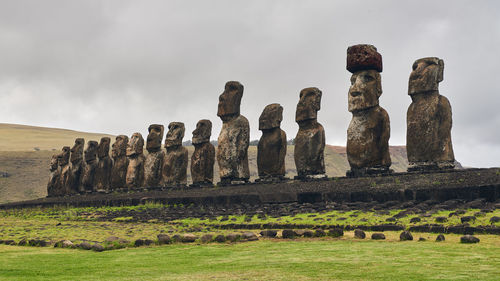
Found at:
(320, 259)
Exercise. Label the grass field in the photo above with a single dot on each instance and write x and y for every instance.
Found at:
(324, 259)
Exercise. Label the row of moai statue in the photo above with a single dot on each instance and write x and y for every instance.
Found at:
(428, 138)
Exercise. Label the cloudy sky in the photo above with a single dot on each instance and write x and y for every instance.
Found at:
(118, 66)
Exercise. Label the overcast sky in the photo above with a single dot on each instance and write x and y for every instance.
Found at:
(117, 66)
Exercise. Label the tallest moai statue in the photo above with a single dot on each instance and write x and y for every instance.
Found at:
(428, 134)
(234, 137)
(369, 131)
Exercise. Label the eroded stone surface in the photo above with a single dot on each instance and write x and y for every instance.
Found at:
(234, 138)
(135, 170)
(153, 164)
(76, 167)
(429, 121)
(310, 139)
(120, 162)
(203, 158)
(104, 166)
(52, 185)
(176, 158)
(90, 167)
(271, 149)
(64, 171)
(369, 130)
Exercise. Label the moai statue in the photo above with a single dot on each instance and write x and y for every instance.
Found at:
(104, 166)
(310, 139)
(369, 131)
(90, 167)
(135, 170)
(120, 162)
(76, 167)
(203, 158)
(154, 160)
(52, 185)
(176, 159)
(428, 134)
(234, 137)
(64, 172)
(271, 149)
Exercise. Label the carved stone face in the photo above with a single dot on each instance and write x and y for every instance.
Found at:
(366, 88)
(309, 104)
(54, 162)
(136, 145)
(103, 150)
(77, 150)
(175, 134)
(155, 137)
(119, 148)
(64, 156)
(271, 117)
(91, 151)
(426, 75)
(230, 99)
(202, 132)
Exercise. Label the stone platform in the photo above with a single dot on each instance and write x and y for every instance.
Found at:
(466, 184)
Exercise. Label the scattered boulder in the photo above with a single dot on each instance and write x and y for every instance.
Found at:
(441, 219)
(139, 242)
(469, 239)
(148, 242)
(206, 238)
(405, 236)
(415, 220)
(220, 238)
(421, 239)
(85, 246)
(9, 242)
(360, 234)
(249, 236)
(467, 219)
(336, 232)
(494, 219)
(378, 236)
(308, 233)
(22, 242)
(233, 237)
(268, 233)
(319, 233)
(176, 238)
(97, 247)
(440, 238)
(188, 238)
(288, 234)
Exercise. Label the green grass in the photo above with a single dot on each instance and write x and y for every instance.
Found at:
(325, 259)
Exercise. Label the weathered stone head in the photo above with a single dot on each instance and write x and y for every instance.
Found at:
(64, 156)
(230, 100)
(136, 145)
(271, 117)
(175, 134)
(426, 75)
(77, 150)
(91, 151)
(103, 149)
(53, 162)
(365, 63)
(155, 137)
(309, 104)
(119, 148)
(202, 132)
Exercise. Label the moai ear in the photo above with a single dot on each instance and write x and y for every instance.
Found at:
(441, 70)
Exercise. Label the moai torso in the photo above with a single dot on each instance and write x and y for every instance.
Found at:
(135, 169)
(90, 167)
(176, 159)
(271, 150)
(76, 167)
(429, 120)
(203, 158)
(369, 130)
(120, 162)
(153, 164)
(310, 139)
(64, 172)
(104, 166)
(234, 138)
(52, 185)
